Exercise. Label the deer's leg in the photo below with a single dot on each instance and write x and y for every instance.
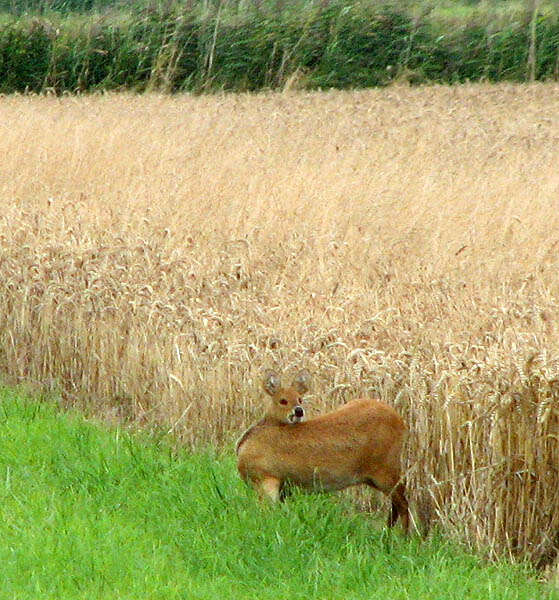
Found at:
(269, 488)
(399, 507)
(389, 483)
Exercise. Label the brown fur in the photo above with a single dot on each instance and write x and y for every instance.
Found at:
(359, 443)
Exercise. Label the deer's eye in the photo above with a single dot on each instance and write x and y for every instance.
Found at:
(283, 401)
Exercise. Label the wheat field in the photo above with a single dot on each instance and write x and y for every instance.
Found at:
(158, 253)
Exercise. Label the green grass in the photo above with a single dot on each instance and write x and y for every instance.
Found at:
(87, 512)
(465, 7)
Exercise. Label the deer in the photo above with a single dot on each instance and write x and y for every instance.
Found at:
(358, 443)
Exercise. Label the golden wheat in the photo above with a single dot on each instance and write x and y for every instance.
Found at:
(157, 253)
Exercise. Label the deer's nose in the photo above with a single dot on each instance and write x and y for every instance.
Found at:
(299, 412)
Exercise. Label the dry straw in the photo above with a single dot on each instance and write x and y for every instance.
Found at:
(156, 254)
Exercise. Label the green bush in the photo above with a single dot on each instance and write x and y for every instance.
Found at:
(24, 56)
(335, 45)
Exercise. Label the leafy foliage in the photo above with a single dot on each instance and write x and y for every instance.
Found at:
(171, 47)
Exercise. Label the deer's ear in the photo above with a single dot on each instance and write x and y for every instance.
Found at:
(302, 381)
(271, 382)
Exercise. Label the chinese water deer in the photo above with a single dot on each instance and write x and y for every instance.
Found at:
(359, 443)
